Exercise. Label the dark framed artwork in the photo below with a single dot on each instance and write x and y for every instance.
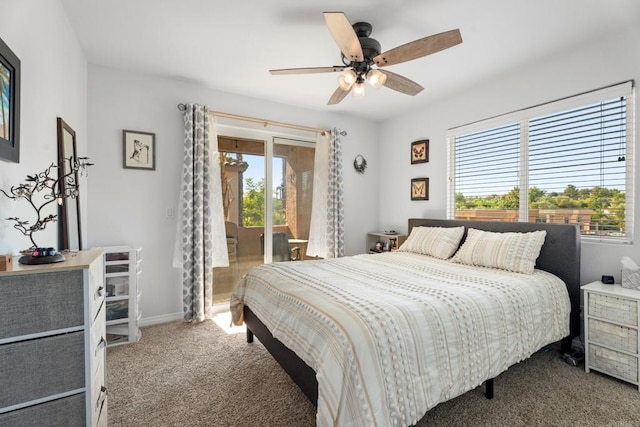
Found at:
(9, 104)
(420, 189)
(139, 150)
(420, 151)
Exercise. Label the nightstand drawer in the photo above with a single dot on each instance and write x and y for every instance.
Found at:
(613, 362)
(612, 335)
(612, 308)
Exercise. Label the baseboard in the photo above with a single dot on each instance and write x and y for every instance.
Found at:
(220, 308)
(147, 321)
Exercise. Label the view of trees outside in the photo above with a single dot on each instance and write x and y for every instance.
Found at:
(253, 204)
(607, 205)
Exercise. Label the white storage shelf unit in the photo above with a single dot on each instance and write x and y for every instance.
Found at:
(611, 331)
(122, 269)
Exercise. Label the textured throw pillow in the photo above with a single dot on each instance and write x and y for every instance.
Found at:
(439, 242)
(508, 251)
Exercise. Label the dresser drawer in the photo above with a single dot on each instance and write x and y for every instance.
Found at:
(40, 302)
(102, 413)
(69, 412)
(612, 308)
(97, 287)
(613, 362)
(98, 393)
(612, 335)
(39, 368)
(97, 340)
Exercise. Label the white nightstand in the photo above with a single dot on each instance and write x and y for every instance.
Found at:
(611, 330)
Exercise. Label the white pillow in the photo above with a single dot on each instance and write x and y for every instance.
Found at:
(508, 251)
(439, 242)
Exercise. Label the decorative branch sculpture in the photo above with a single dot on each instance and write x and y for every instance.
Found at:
(55, 190)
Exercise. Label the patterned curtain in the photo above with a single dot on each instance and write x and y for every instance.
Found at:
(326, 234)
(335, 199)
(200, 214)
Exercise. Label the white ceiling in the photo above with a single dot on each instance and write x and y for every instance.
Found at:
(230, 45)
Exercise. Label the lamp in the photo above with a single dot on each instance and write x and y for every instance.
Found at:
(347, 79)
(352, 79)
(358, 87)
(376, 78)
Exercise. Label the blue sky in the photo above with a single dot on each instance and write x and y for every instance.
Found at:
(256, 168)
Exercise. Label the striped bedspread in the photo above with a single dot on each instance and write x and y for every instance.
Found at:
(392, 335)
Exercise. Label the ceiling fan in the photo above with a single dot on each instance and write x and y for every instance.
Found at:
(363, 61)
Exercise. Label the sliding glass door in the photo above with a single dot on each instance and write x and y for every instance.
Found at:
(292, 182)
(267, 186)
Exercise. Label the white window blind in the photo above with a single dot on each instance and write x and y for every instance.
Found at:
(570, 161)
(487, 165)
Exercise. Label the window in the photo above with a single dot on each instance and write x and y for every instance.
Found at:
(569, 161)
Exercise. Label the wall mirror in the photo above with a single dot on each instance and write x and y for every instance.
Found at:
(69, 236)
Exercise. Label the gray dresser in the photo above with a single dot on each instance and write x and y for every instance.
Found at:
(52, 343)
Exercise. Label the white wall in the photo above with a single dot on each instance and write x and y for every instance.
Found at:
(129, 206)
(53, 73)
(604, 62)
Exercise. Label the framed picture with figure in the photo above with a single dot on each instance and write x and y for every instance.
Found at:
(139, 150)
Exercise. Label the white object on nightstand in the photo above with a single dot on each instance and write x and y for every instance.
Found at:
(611, 331)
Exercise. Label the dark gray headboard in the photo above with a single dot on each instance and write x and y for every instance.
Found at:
(560, 253)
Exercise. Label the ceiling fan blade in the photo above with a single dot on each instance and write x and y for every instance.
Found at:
(401, 84)
(337, 96)
(419, 48)
(344, 35)
(308, 70)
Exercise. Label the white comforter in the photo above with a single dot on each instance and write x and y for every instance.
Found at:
(392, 335)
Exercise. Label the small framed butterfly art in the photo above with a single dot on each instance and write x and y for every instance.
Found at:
(420, 151)
(420, 189)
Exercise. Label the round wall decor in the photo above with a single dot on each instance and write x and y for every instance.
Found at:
(359, 164)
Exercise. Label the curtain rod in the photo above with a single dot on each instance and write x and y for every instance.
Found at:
(182, 107)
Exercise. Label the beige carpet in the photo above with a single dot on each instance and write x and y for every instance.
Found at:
(198, 375)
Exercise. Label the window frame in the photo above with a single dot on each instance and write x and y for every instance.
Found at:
(269, 138)
(522, 117)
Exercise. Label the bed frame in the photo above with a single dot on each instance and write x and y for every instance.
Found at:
(560, 255)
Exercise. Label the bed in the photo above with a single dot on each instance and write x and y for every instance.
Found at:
(431, 333)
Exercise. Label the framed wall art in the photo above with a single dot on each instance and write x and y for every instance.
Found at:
(420, 189)
(9, 105)
(420, 151)
(139, 150)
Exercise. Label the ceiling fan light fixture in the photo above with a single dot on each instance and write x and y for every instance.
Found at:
(376, 78)
(347, 78)
(358, 88)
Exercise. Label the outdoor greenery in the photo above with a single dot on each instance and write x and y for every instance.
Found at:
(253, 205)
(607, 204)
